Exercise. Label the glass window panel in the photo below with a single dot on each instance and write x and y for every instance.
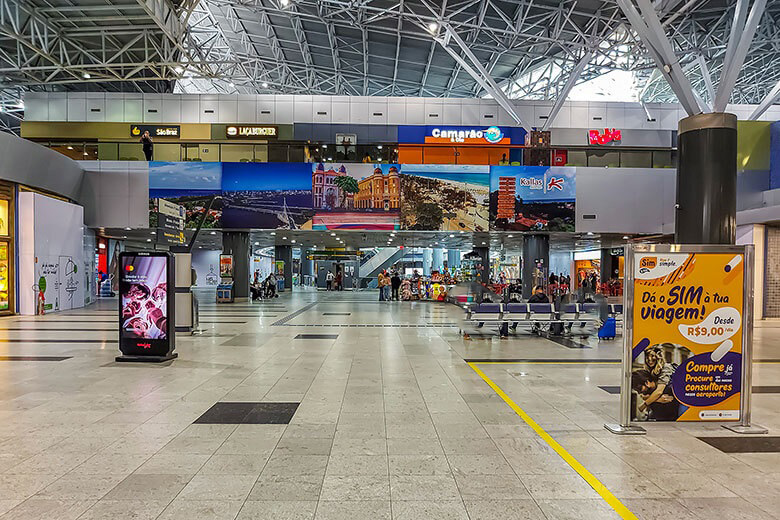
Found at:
(237, 152)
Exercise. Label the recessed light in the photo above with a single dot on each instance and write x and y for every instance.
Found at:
(626, 237)
(590, 233)
(379, 147)
(86, 75)
(128, 229)
(273, 233)
(333, 234)
(257, 243)
(483, 243)
(265, 85)
(433, 26)
(213, 233)
(284, 238)
(70, 148)
(461, 232)
(509, 236)
(293, 241)
(148, 239)
(154, 232)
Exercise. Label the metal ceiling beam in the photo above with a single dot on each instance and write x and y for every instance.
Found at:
(734, 61)
(478, 72)
(767, 102)
(564, 92)
(648, 28)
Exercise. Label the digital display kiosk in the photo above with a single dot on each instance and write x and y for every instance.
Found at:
(146, 306)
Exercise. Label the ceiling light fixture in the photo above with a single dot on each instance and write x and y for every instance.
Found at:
(265, 85)
(257, 243)
(179, 69)
(626, 237)
(273, 233)
(433, 27)
(86, 75)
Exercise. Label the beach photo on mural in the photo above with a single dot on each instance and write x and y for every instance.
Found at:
(532, 198)
(440, 197)
(355, 196)
(189, 184)
(267, 195)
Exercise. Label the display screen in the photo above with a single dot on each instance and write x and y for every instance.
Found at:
(143, 287)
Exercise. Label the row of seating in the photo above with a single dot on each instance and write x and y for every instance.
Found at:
(539, 312)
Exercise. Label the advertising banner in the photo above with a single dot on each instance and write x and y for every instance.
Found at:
(686, 332)
(146, 311)
(532, 198)
(226, 267)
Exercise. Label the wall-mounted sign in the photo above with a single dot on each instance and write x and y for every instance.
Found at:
(226, 267)
(490, 135)
(155, 130)
(251, 132)
(169, 222)
(596, 137)
(170, 236)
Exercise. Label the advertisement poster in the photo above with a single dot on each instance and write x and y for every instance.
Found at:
(143, 288)
(687, 336)
(440, 197)
(355, 196)
(532, 198)
(226, 266)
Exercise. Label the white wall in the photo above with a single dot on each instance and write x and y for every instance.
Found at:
(287, 109)
(51, 246)
(206, 265)
(756, 234)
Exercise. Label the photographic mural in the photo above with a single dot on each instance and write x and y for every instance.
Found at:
(445, 197)
(532, 198)
(356, 196)
(267, 195)
(325, 196)
(189, 184)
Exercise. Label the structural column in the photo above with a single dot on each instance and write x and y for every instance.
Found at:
(605, 268)
(536, 255)
(236, 243)
(438, 259)
(706, 210)
(427, 260)
(453, 258)
(284, 253)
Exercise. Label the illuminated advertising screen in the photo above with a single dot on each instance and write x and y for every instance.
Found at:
(146, 304)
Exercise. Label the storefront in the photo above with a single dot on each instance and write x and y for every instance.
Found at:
(7, 252)
(432, 144)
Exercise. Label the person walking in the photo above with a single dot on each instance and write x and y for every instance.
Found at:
(338, 280)
(148, 145)
(395, 283)
(329, 281)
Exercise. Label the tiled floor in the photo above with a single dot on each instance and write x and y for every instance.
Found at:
(392, 423)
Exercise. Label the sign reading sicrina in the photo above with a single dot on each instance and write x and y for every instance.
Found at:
(251, 132)
(686, 335)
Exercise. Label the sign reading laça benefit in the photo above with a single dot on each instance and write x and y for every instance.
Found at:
(687, 341)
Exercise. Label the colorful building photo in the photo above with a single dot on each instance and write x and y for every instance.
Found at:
(189, 184)
(441, 197)
(355, 196)
(532, 198)
(267, 195)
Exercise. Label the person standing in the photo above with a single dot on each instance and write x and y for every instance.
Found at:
(329, 281)
(395, 283)
(380, 281)
(339, 278)
(148, 145)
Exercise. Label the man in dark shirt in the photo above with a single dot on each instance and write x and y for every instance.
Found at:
(148, 145)
(666, 407)
(395, 285)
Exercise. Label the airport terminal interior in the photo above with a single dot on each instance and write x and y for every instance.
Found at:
(414, 260)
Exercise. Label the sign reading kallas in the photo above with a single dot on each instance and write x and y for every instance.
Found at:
(251, 132)
(596, 137)
(492, 135)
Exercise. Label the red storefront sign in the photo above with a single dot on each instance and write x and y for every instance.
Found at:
(595, 137)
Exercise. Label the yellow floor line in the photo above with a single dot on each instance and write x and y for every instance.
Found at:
(616, 504)
(547, 363)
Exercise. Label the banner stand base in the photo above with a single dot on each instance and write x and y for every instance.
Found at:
(751, 429)
(619, 429)
(146, 359)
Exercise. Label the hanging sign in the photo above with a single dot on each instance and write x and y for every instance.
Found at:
(688, 317)
(155, 130)
(251, 132)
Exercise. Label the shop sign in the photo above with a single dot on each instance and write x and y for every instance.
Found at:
(251, 132)
(155, 130)
(492, 135)
(226, 266)
(596, 137)
(170, 236)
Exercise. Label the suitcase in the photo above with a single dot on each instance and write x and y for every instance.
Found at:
(608, 329)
